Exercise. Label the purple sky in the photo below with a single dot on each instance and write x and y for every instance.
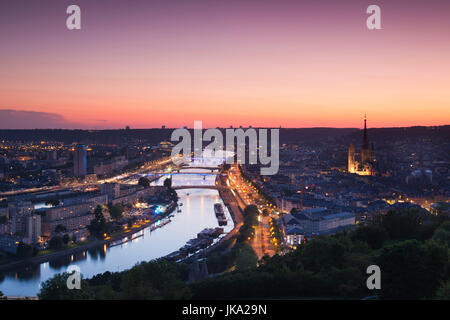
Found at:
(236, 62)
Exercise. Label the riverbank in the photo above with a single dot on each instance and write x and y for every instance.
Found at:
(235, 210)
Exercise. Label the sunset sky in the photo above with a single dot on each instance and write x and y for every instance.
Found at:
(226, 62)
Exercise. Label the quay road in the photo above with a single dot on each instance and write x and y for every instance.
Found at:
(261, 243)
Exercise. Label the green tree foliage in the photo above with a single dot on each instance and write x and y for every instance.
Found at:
(326, 251)
(442, 233)
(325, 267)
(56, 288)
(408, 224)
(373, 235)
(443, 292)
(56, 243)
(153, 280)
(250, 220)
(246, 258)
(218, 262)
(116, 211)
(412, 270)
(112, 279)
(66, 239)
(98, 226)
(60, 228)
(144, 182)
(173, 195)
(251, 214)
(222, 257)
(146, 280)
(168, 183)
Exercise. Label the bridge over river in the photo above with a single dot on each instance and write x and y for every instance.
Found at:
(214, 187)
(198, 167)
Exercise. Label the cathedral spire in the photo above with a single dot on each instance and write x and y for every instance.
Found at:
(365, 138)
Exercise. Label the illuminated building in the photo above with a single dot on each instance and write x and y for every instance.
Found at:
(314, 222)
(365, 165)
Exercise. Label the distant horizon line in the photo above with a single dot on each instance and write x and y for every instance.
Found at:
(229, 127)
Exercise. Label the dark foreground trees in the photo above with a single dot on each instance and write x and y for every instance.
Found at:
(146, 280)
(56, 289)
(413, 270)
(153, 280)
(412, 267)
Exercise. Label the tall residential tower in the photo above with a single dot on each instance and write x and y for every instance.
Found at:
(80, 161)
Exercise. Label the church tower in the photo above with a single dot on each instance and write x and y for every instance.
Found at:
(365, 151)
(362, 163)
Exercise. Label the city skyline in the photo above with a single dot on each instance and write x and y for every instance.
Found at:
(254, 63)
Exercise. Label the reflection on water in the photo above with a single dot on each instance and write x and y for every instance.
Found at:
(196, 214)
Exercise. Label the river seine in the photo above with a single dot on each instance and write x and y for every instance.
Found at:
(197, 213)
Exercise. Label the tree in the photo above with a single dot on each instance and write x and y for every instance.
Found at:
(404, 224)
(60, 228)
(321, 252)
(443, 233)
(56, 289)
(246, 258)
(373, 235)
(173, 195)
(219, 261)
(24, 251)
(56, 242)
(412, 270)
(98, 226)
(66, 239)
(168, 183)
(251, 215)
(116, 211)
(144, 182)
(250, 220)
(74, 238)
(443, 292)
(153, 280)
